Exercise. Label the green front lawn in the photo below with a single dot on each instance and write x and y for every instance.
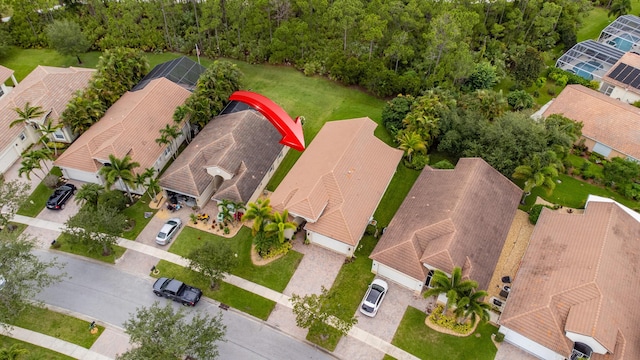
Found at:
(38, 198)
(231, 295)
(418, 339)
(275, 275)
(136, 212)
(34, 352)
(61, 326)
(81, 250)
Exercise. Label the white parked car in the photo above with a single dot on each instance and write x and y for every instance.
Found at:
(373, 298)
(168, 231)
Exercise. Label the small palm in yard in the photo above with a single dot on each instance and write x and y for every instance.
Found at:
(260, 213)
(89, 193)
(537, 173)
(119, 170)
(279, 225)
(12, 353)
(471, 307)
(411, 142)
(454, 287)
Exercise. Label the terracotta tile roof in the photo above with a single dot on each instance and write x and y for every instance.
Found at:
(606, 120)
(5, 74)
(630, 59)
(580, 274)
(339, 180)
(48, 87)
(244, 144)
(451, 218)
(130, 126)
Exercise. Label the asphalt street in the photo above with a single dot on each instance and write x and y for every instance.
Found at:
(104, 293)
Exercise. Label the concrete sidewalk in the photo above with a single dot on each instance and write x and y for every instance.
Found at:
(260, 290)
(51, 343)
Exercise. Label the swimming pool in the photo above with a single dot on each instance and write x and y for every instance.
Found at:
(586, 69)
(624, 42)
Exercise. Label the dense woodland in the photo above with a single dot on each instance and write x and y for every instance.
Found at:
(387, 47)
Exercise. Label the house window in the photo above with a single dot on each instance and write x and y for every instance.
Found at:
(427, 282)
(1, 92)
(607, 89)
(22, 136)
(167, 151)
(59, 135)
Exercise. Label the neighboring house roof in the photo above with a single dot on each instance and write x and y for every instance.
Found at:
(451, 218)
(605, 120)
(339, 180)
(182, 71)
(244, 144)
(5, 74)
(625, 73)
(580, 275)
(48, 87)
(129, 127)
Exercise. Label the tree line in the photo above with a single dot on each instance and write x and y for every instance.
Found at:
(388, 47)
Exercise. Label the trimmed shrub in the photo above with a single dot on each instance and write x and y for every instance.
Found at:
(499, 337)
(534, 213)
(443, 164)
(113, 199)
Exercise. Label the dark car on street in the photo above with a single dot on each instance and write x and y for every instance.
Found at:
(177, 291)
(60, 196)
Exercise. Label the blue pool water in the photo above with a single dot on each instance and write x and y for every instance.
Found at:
(624, 42)
(585, 69)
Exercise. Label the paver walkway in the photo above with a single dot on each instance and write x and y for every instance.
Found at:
(279, 298)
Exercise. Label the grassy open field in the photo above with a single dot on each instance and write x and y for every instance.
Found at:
(597, 19)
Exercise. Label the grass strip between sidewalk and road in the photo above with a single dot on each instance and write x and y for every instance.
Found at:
(228, 294)
(35, 352)
(275, 275)
(58, 325)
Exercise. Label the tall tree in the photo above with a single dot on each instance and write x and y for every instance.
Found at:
(26, 114)
(454, 287)
(28, 166)
(96, 228)
(12, 195)
(318, 311)
(212, 260)
(619, 8)
(47, 130)
(24, 274)
(119, 170)
(67, 38)
(162, 333)
(168, 135)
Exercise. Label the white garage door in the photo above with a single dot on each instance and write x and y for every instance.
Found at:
(396, 276)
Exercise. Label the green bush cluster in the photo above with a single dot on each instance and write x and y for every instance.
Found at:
(562, 78)
(440, 319)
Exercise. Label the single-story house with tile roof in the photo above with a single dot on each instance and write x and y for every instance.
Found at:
(5, 75)
(450, 218)
(51, 88)
(611, 127)
(576, 290)
(622, 81)
(338, 182)
(232, 158)
(129, 127)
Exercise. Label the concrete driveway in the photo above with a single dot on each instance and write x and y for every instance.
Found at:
(61, 216)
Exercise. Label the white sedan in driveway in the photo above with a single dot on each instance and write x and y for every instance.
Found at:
(168, 231)
(373, 298)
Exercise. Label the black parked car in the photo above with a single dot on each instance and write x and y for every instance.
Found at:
(60, 196)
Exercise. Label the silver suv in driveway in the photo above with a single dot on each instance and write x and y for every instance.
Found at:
(168, 231)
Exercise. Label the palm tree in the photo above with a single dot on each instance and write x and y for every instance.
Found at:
(153, 187)
(47, 130)
(90, 193)
(279, 224)
(119, 170)
(536, 172)
(411, 142)
(12, 353)
(619, 8)
(41, 156)
(260, 213)
(28, 165)
(167, 136)
(454, 287)
(26, 114)
(471, 306)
